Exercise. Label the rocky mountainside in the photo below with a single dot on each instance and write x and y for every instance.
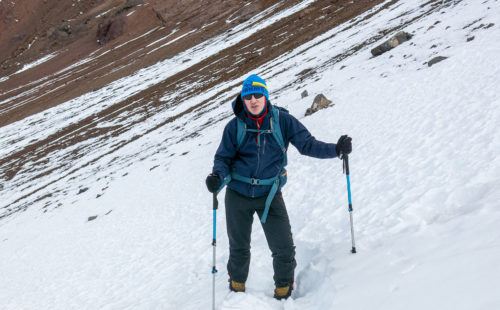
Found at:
(134, 60)
(102, 41)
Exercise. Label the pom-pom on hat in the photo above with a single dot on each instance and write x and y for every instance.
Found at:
(254, 85)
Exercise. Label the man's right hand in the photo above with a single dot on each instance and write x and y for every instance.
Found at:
(213, 182)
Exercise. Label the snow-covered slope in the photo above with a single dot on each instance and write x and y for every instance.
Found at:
(425, 177)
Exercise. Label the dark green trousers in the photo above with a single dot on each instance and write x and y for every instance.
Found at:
(239, 218)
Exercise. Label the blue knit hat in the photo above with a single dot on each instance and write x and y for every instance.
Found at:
(254, 85)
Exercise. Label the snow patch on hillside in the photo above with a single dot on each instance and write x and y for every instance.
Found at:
(36, 63)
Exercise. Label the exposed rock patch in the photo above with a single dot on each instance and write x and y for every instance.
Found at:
(435, 60)
(320, 102)
(110, 29)
(388, 45)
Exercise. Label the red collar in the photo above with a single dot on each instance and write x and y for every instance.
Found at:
(258, 120)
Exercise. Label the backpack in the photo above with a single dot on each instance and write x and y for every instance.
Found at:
(275, 182)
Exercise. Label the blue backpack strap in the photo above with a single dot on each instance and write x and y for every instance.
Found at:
(276, 129)
(280, 179)
(278, 135)
(241, 131)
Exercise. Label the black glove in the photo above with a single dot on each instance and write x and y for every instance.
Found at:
(213, 182)
(344, 145)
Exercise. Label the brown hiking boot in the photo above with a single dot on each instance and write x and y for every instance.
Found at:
(236, 286)
(283, 292)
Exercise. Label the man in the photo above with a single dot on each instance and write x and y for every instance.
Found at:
(250, 160)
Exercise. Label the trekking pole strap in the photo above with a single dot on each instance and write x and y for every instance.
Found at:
(269, 199)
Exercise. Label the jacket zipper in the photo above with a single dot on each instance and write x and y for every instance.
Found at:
(258, 158)
(256, 170)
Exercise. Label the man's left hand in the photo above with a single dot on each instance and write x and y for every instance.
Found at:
(344, 145)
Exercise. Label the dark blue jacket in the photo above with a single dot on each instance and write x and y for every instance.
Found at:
(264, 161)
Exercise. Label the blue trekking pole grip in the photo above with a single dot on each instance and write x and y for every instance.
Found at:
(345, 159)
(214, 244)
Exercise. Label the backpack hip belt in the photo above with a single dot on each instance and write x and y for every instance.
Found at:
(275, 183)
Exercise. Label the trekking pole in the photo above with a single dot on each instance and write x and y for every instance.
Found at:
(214, 243)
(345, 158)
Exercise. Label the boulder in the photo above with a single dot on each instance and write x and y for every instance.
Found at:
(82, 190)
(110, 29)
(129, 5)
(304, 94)
(388, 45)
(320, 102)
(435, 60)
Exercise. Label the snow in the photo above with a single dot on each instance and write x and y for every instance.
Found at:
(104, 13)
(36, 62)
(425, 181)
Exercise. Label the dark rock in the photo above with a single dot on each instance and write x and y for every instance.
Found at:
(64, 31)
(18, 37)
(470, 38)
(65, 27)
(129, 5)
(306, 73)
(91, 218)
(82, 190)
(110, 29)
(320, 102)
(52, 33)
(388, 45)
(304, 94)
(132, 3)
(435, 60)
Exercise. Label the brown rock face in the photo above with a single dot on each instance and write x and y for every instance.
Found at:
(135, 38)
(73, 31)
(396, 40)
(320, 102)
(110, 29)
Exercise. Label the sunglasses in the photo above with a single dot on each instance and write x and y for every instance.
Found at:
(256, 96)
